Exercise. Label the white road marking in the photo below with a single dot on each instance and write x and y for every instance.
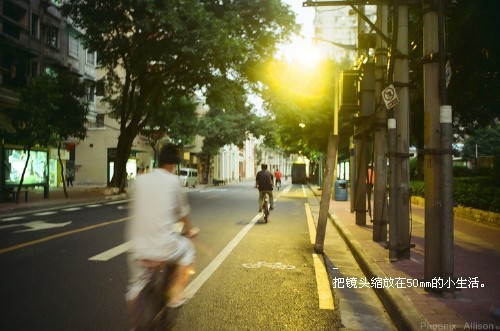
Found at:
(60, 235)
(198, 282)
(94, 206)
(324, 291)
(41, 225)
(111, 253)
(13, 218)
(10, 226)
(72, 209)
(310, 223)
(117, 202)
(45, 213)
(304, 191)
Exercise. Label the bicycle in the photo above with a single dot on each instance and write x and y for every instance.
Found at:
(265, 207)
(150, 310)
(278, 184)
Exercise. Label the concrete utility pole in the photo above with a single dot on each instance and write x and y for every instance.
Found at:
(438, 134)
(380, 144)
(361, 148)
(401, 113)
(326, 193)
(432, 143)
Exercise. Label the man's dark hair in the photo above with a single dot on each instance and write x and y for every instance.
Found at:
(263, 166)
(169, 155)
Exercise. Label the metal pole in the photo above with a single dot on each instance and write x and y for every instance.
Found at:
(393, 189)
(447, 240)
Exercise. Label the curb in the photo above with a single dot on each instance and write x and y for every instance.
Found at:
(402, 313)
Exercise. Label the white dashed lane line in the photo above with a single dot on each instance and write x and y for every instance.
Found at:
(11, 219)
(45, 213)
(111, 253)
(72, 209)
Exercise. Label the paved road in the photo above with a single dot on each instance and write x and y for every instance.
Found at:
(65, 270)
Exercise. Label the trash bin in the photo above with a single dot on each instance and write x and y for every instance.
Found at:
(341, 190)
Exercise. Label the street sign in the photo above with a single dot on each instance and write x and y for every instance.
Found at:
(390, 97)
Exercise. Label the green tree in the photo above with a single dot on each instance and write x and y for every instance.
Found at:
(485, 140)
(69, 116)
(30, 117)
(474, 57)
(229, 119)
(176, 119)
(165, 47)
(49, 112)
(473, 30)
(297, 95)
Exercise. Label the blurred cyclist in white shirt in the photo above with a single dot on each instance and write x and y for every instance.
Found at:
(157, 204)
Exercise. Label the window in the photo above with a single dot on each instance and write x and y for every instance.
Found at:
(90, 93)
(35, 26)
(91, 58)
(99, 88)
(73, 46)
(99, 121)
(51, 35)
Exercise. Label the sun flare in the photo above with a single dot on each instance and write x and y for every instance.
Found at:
(302, 52)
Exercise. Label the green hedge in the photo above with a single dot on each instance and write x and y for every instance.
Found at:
(475, 192)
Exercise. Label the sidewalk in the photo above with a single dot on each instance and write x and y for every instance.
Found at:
(76, 195)
(477, 254)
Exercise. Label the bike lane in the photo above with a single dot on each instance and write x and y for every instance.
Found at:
(268, 280)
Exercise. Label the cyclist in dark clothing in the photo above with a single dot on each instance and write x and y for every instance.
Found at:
(264, 182)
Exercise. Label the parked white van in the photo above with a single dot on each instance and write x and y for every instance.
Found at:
(189, 176)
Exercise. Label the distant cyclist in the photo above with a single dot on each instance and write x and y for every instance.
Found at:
(277, 175)
(264, 182)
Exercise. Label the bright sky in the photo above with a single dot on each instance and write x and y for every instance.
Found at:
(302, 48)
(305, 16)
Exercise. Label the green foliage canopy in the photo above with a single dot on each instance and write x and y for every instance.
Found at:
(166, 48)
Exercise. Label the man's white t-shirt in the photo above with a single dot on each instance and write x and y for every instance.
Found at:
(157, 204)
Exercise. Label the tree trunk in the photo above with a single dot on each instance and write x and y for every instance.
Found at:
(207, 167)
(62, 170)
(123, 148)
(20, 186)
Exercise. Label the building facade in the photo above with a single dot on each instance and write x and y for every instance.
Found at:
(336, 30)
(35, 39)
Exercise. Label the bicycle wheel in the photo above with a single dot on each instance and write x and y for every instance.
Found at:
(266, 209)
(150, 311)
